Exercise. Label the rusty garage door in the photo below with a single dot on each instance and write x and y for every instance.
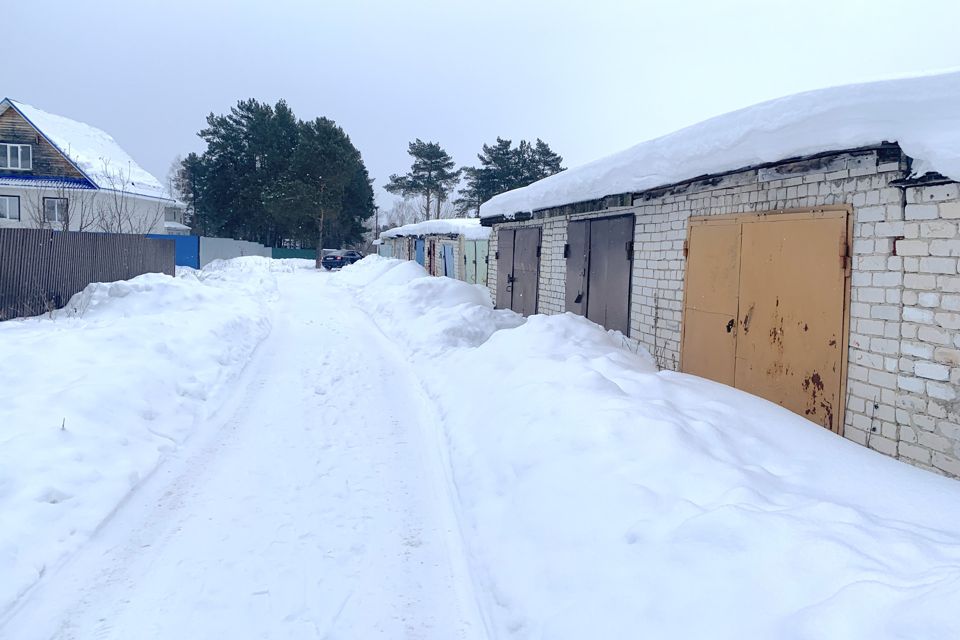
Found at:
(765, 308)
(518, 269)
(599, 264)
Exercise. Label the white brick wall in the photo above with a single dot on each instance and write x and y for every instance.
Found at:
(903, 391)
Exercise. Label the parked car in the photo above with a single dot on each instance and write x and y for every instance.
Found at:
(340, 258)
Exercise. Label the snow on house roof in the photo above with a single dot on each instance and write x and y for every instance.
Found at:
(922, 114)
(469, 228)
(93, 151)
(44, 183)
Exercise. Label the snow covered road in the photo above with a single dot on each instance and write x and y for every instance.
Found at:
(398, 459)
(315, 506)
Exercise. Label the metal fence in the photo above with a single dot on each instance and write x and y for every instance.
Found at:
(187, 252)
(308, 254)
(41, 269)
(225, 248)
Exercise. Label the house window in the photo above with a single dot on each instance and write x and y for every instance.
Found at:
(170, 214)
(55, 209)
(16, 156)
(10, 207)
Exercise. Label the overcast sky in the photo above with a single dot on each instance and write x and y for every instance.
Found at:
(589, 77)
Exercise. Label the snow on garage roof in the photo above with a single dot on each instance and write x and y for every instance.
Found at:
(921, 113)
(469, 228)
(93, 151)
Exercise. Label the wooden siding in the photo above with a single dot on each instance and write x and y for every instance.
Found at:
(47, 161)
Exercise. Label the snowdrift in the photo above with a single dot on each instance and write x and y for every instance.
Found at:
(601, 498)
(96, 393)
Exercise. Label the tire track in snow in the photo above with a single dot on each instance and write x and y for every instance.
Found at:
(437, 457)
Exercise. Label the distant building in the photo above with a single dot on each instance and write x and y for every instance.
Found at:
(61, 174)
(454, 247)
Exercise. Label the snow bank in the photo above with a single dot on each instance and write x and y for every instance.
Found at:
(94, 395)
(920, 113)
(469, 228)
(96, 153)
(430, 315)
(603, 499)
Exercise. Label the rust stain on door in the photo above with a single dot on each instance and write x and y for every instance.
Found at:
(710, 301)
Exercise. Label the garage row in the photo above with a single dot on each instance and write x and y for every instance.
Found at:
(786, 281)
(455, 248)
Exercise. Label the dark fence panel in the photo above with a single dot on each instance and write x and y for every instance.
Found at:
(41, 269)
(187, 249)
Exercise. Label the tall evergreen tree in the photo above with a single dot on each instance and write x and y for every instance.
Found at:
(269, 177)
(188, 178)
(431, 175)
(504, 167)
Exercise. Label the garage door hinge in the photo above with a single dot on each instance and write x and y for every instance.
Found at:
(538, 251)
(845, 259)
(496, 254)
(566, 251)
(686, 248)
(629, 248)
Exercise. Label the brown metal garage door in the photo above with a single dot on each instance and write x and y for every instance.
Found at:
(599, 265)
(765, 308)
(518, 269)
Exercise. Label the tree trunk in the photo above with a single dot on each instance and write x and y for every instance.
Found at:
(320, 240)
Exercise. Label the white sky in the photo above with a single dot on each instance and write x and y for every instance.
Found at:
(589, 77)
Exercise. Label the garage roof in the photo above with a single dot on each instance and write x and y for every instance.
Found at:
(469, 228)
(920, 113)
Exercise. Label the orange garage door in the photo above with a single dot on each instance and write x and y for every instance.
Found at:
(765, 308)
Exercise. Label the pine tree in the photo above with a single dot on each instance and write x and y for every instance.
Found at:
(504, 167)
(269, 177)
(431, 175)
(543, 162)
(187, 180)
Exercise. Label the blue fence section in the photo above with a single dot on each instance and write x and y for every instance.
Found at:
(187, 249)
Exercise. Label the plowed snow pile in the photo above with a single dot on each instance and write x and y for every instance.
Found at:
(94, 395)
(602, 499)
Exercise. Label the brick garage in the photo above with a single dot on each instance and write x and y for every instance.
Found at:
(903, 355)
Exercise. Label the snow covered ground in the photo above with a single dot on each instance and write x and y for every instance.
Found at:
(398, 459)
(602, 499)
(96, 393)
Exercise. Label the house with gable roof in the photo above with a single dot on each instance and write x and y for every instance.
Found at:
(62, 174)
